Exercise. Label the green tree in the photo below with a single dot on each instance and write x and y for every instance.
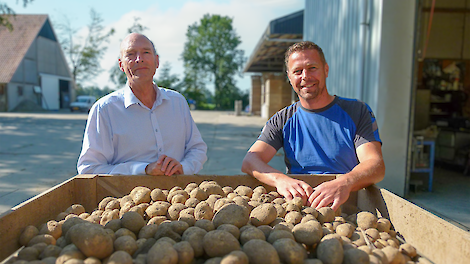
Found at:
(117, 76)
(5, 11)
(84, 55)
(166, 79)
(211, 53)
(195, 88)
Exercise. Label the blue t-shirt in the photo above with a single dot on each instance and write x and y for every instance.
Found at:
(321, 141)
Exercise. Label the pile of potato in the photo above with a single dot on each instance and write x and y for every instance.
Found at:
(207, 223)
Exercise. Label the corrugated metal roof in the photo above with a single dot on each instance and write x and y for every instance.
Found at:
(282, 32)
(14, 44)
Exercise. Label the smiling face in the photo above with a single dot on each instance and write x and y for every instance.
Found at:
(307, 74)
(138, 59)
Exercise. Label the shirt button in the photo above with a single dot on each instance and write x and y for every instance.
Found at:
(156, 130)
(159, 149)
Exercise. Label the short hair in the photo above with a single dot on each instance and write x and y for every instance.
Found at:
(301, 46)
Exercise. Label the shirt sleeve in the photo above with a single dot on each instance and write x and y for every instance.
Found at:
(195, 147)
(98, 150)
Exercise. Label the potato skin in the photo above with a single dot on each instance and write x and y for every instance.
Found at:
(218, 243)
(92, 240)
(263, 214)
(290, 251)
(330, 251)
(260, 252)
(234, 214)
(162, 252)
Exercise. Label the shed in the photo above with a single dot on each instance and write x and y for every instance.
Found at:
(34, 74)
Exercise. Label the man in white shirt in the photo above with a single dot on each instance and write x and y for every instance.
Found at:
(142, 128)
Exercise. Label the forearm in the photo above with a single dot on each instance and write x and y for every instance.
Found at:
(366, 173)
(262, 171)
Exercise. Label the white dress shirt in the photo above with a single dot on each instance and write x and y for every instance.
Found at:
(122, 135)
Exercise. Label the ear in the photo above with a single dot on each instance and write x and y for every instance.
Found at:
(120, 65)
(157, 61)
(327, 69)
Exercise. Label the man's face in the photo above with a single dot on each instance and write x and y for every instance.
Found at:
(307, 74)
(138, 59)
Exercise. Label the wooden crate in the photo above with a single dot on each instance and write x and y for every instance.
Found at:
(434, 238)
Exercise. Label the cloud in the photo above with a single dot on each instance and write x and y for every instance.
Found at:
(167, 28)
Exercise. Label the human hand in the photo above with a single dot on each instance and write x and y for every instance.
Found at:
(290, 188)
(330, 193)
(164, 166)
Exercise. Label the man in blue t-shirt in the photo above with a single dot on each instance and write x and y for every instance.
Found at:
(320, 134)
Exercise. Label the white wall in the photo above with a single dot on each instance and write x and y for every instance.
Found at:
(369, 47)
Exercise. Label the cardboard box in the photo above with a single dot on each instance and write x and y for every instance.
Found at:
(434, 238)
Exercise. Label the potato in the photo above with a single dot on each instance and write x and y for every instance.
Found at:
(260, 252)
(227, 190)
(307, 210)
(174, 211)
(113, 204)
(266, 230)
(28, 233)
(179, 226)
(119, 257)
(232, 229)
(326, 215)
(44, 238)
(243, 190)
(185, 252)
(231, 214)
(157, 195)
(132, 221)
(158, 208)
(372, 234)
(393, 255)
(345, 229)
(165, 230)
(383, 225)
(187, 216)
(366, 220)
(355, 256)
(108, 215)
(126, 244)
(290, 252)
(205, 224)
(194, 236)
(250, 233)
(220, 203)
(211, 187)
(235, 257)
(172, 194)
(162, 252)
(278, 234)
(70, 252)
(218, 243)
(203, 211)
(156, 220)
(408, 249)
(50, 251)
(141, 194)
(104, 202)
(114, 224)
(293, 217)
(124, 232)
(263, 214)
(330, 251)
(191, 202)
(308, 233)
(75, 209)
(92, 240)
(198, 193)
(28, 254)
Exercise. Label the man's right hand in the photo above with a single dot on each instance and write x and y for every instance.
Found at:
(290, 188)
(164, 166)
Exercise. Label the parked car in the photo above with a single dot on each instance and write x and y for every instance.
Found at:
(83, 103)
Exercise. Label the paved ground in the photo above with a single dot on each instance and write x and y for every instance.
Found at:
(40, 150)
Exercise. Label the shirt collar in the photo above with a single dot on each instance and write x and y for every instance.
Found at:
(130, 98)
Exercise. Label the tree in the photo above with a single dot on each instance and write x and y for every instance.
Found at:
(117, 76)
(211, 53)
(167, 80)
(6, 10)
(84, 55)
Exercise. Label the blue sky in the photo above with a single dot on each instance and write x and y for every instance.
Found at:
(167, 22)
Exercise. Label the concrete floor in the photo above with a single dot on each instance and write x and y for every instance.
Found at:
(450, 197)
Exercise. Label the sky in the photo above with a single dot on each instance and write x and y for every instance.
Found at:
(167, 22)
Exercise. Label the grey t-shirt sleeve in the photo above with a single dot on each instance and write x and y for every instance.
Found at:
(273, 130)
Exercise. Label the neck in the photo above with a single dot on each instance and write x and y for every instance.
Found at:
(144, 92)
(317, 103)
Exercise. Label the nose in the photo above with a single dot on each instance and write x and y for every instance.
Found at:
(305, 74)
(139, 58)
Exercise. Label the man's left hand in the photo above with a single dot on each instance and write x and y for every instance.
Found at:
(331, 193)
(164, 166)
